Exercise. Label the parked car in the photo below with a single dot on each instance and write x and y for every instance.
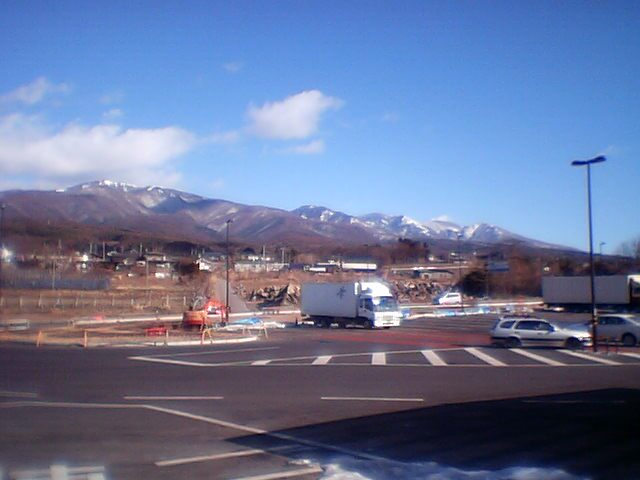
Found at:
(623, 328)
(513, 332)
(449, 298)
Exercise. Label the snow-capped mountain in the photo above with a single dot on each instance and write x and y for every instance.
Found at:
(173, 213)
(390, 227)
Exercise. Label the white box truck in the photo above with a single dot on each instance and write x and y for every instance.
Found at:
(612, 291)
(369, 304)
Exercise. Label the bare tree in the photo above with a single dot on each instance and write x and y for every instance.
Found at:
(630, 248)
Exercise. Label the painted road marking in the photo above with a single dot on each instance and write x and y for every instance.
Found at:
(139, 397)
(322, 360)
(171, 362)
(59, 472)
(373, 399)
(207, 458)
(261, 362)
(538, 358)
(433, 358)
(216, 352)
(201, 418)
(379, 358)
(484, 357)
(5, 393)
(288, 474)
(590, 357)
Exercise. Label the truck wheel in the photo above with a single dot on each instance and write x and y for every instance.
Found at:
(368, 324)
(628, 340)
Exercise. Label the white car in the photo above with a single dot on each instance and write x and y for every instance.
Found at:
(623, 328)
(513, 332)
(450, 298)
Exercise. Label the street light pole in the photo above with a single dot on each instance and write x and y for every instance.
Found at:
(226, 301)
(588, 163)
(459, 235)
(2, 207)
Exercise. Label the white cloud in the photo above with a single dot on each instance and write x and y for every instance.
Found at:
(390, 117)
(34, 92)
(314, 147)
(442, 218)
(233, 67)
(112, 97)
(297, 116)
(112, 114)
(231, 136)
(217, 184)
(29, 147)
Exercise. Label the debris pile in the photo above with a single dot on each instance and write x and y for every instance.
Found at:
(272, 296)
(415, 291)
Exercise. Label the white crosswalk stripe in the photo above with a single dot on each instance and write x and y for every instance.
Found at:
(443, 357)
(593, 358)
(632, 355)
(322, 360)
(433, 358)
(261, 362)
(538, 358)
(484, 357)
(379, 358)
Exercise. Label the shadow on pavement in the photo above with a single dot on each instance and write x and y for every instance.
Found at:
(593, 434)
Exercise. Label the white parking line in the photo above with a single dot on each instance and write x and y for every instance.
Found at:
(207, 458)
(261, 362)
(593, 358)
(632, 355)
(373, 399)
(322, 360)
(171, 362)
(156, 397)
(433, 358)
(484, 357)
(538, 358)
(5, 393)
(287, 474)
(379, 358)
(59, 471)
(215, 352)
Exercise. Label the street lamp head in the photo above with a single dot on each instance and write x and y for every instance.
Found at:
(581, 163)
(229, 221)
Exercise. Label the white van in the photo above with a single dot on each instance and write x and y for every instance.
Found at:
(450, 298)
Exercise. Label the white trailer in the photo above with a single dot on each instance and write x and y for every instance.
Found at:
(617, 291)
(369, 304)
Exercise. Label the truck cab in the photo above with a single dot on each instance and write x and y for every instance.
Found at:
(379, 311)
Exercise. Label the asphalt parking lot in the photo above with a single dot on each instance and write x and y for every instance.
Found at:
(427, 398)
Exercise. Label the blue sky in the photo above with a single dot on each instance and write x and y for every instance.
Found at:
(465, 110)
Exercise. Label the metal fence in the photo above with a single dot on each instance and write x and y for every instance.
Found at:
(32, 301)
(38, 280)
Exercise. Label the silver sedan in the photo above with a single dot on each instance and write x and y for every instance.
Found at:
(515, 332)
(622, 328)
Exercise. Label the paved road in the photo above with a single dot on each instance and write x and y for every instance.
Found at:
(393, 401)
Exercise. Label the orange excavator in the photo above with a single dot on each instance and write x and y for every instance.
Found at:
(201, 312)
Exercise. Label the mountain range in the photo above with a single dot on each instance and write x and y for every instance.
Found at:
(181, 215)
